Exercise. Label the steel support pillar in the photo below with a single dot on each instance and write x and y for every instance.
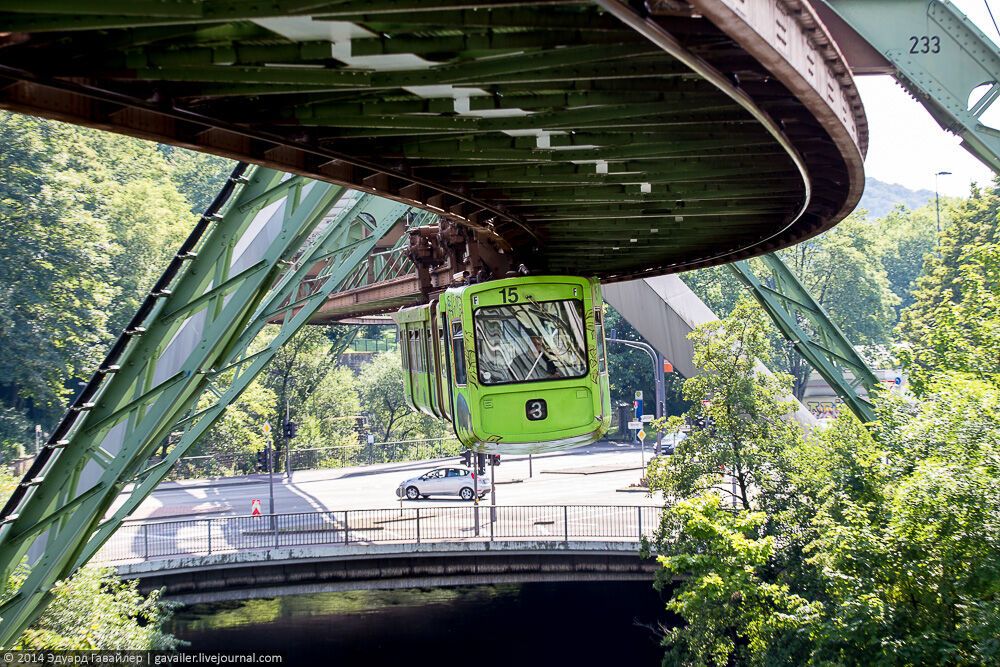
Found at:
(190, 351)
(806, 324)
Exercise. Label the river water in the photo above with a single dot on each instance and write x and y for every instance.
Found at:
(552, 624)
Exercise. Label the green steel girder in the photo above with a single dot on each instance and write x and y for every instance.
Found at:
(229, 54)
(506, 100)
(941, 57)
(194, 339)
(296, 309)
(451, 152)
(804, 322)
(580, 17)
(492, 41)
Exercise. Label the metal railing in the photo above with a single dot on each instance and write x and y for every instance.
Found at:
(152, 540)
(372, 345)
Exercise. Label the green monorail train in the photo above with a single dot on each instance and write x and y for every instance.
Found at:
(516, 365)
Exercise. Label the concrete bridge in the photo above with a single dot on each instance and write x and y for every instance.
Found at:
(241, 557)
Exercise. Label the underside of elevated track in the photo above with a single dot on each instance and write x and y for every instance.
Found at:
(625, 138)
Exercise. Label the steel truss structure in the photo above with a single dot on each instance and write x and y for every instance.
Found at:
(805, 323)
(271, 249)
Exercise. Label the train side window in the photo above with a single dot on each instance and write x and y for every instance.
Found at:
(404, 350)
(420, 350)
(429, 349)
(414, 356)
(602, 365)
(458, 345)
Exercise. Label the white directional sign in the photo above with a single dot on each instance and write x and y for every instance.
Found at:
(647, 418)
(635, 425)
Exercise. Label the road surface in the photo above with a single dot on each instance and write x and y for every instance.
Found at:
(598, 474)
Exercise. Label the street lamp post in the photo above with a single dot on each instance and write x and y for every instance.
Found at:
(284, 431)
(937, 202)
(657, 360)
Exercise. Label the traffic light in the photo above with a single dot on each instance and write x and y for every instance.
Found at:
(467, 458)
(494, 459)
(291, 430)
(481, 463)
(262, 460)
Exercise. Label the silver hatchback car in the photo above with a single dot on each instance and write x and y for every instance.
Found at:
(450, 481)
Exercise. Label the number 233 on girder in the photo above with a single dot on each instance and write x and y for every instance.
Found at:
(516, 365)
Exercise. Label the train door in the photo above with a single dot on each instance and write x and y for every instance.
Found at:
(444, 378)
(433, 363)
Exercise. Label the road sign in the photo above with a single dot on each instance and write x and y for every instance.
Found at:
(638, 395)
(266, 428)
(255, 507)
(647, 418)
(641, 434)
(635, 425)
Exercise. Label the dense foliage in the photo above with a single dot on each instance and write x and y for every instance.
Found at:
(89, 221)
(843, 546)
(954, 320)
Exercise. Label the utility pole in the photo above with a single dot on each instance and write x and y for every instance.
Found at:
(270, 467)
(285, 431)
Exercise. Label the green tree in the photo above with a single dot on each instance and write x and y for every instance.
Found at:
(848, 546)
(380, 388)
(733, 611)
(746, 425)
(736, 609)
(954, 321)
(54, 271)
(294, 375)
(94, 610)
(198, 176)
(906, 238)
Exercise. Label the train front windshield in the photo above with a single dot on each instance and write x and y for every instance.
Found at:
(531, 341)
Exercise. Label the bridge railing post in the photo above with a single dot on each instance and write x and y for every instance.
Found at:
(566, 523)
(208, 522)
(418, 525)
(347, 529)
(145, 541)
(639, 511)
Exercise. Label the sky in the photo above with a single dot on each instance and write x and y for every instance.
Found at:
(906, 146)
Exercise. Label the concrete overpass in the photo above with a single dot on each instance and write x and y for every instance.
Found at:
(240, 557)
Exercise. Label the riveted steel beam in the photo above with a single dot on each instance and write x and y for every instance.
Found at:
(937, 54)
(804, 322)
